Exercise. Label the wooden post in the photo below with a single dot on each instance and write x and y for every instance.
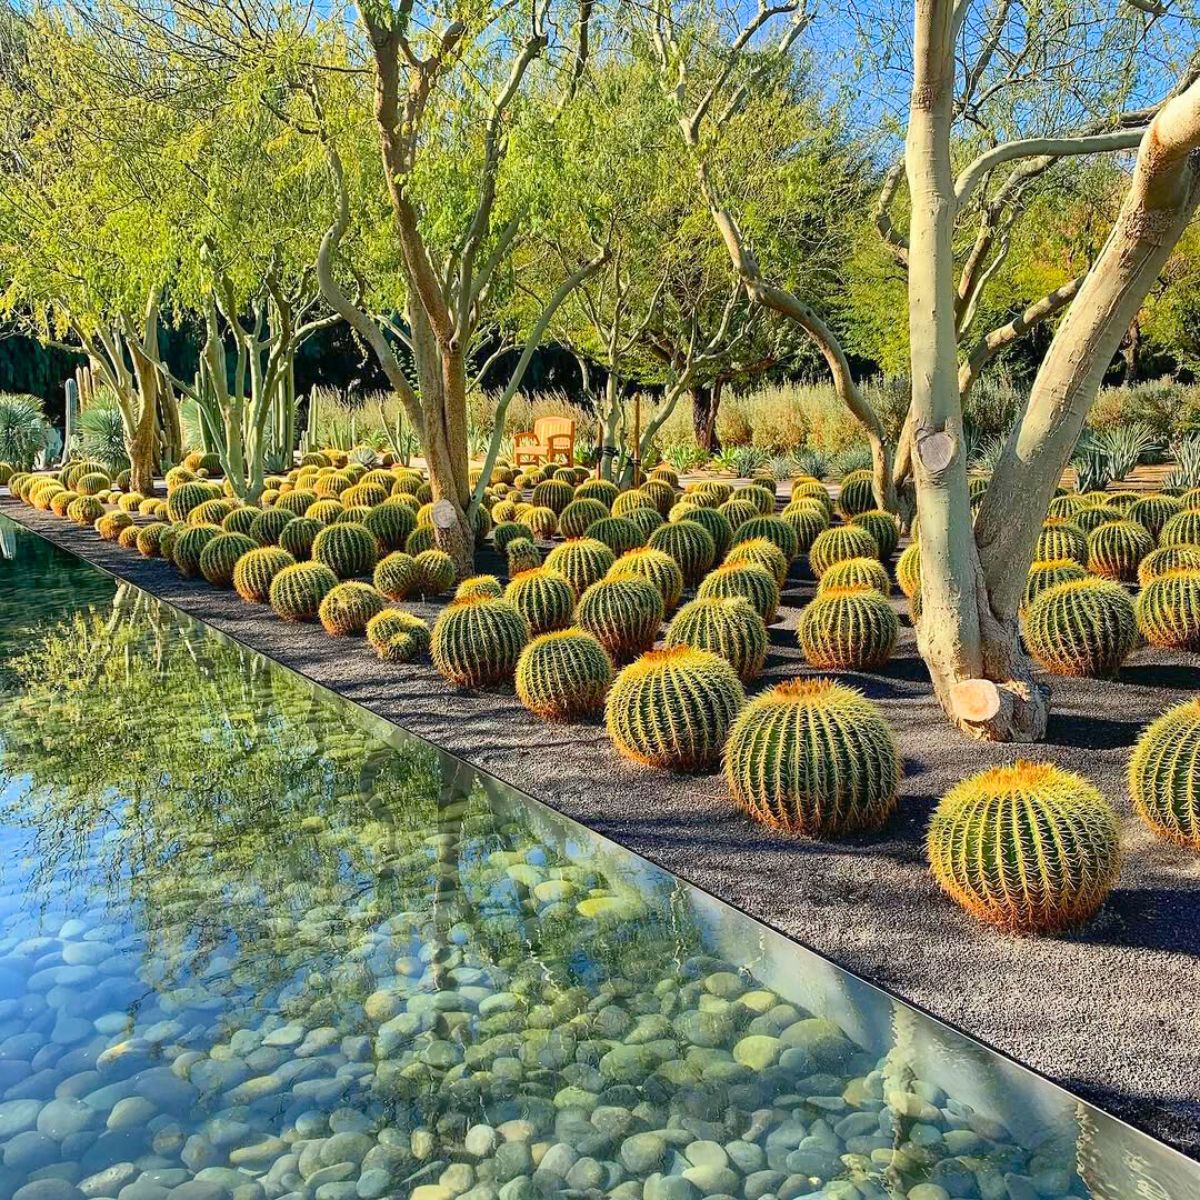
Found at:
(637, 439)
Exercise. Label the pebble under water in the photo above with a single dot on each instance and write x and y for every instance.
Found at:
(257, 945)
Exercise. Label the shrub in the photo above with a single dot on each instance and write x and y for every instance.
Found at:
(883, 527)
(745, 581)
(479, 585)
(655, 566)
(1183, 529)
(544, 597)
(149, 539)
(220, 555)
(1168, 558)
(563, 675)
(1061, 539)
(624, 613)
(1028, 847)
(856, 572)
(255, 571)
(580, 514)
(189, 546)
(619, 534)
(348, 607)
(689, 544)
(397, 636)
(396, 575)
(839, 544)
(347, 549)
(476, 642)
(1043, 575)
(1153, 512)
(522, 555)
(435, 572)
(1164, 775)
(773, 529)
(713, 520)
(813, 757)
(848, 629)
(673, 708)
(554, 494)
(857, 494)
(1087, 627)
(728, 626)
(1168, 611)
(583, 561)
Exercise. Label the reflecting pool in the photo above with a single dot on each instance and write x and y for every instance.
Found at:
(258, 944)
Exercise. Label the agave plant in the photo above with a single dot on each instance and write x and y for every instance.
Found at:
(684, 456)
(856, 458)
(810, 462)
(26, 437)
(1187, 463)
(102, 436)
(741, 461)
(1109, 455)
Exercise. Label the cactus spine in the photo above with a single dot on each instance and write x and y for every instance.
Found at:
(1087, 627)
(849, 629)
(296, 592)
(397, 636)
(255, 571)
(1168, 611)
(857, 572)
(624, 614)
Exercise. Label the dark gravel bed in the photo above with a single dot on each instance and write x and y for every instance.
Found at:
(1112, 1011)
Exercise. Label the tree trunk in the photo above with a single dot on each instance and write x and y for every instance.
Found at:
(706, 404)
(1131, 352)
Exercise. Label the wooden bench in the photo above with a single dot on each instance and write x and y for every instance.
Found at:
(552, 438)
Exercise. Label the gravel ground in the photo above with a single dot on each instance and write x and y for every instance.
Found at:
(1111, 1011)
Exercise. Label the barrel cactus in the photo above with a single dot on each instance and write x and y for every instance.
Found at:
(477, 641)
(759, 552)
(839, 544)
(1061, 538)
(1168, 611)
(211, 512)
(297, 501)
(883, 527)
(716, 522)
(544, 597)
(1116, 548)
(1087, 627)
(166, 541)
(479, 585)
(1168, 558)
(857, 494)
(149, 539)
(190, 544)
(673, 708)
(298, 536)
(563, 675)
(626, 502)
(624, 613)
(849, 629)
(127, 538)
(331, 484)
(1066, 505)
(647, 520)
(1153, 512)
(583, 561)
(578, 515)
(908, 570)
(296, 592)
(85, 510)
(1043, 575)
(507, 532)
(598, 489)
(554, 494)
(727, 626)
(661, 493)
(619, 534)
(522, 555)
(368, 495)
(397, 636)
(241, 520)
(773, 529)
(347, 549)
(856, 572)
(711, 492)
(656, 566)
(666, 474)
(813, 757)
(807, 522)
(1183, 529)
(255, 571)
(109, 526)
(390, 526)
(435, 573)
(542, 520)
(760, 498)
(1095, 515)
(746, 581)
(346, 608)
(268, 525)
(92, 484)
(1028, 847)
(396, 575)
(1164, 775)
(420, 540)
(325, 511)
(689, 544)
(738, 512)
(219, 557)
(61, 501)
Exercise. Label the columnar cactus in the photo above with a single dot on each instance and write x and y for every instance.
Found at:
(908, 570)
(1028, 847)
(774, 529)
(522, 555)
(1043, 575)
(296, 592)
(1116, 548)
(1061, 538)
(544, 597)
(255, 571)
(348, 607)
(839, 544)
(1183, 529)
(856, 572)
(745, 581)
(578, 515)
(347, 549)
(1087, 627)
(1168, 611)
(435, 573)
(582, 560)
(689, 544)
(712, 519)
(656, 566)
(729, 627)
(390, 525)
(190, 544)
(813, 757)
(760, 553)
(623, 613)
(507, 532)
(848, 629)
(883, 527)
(555, 494)
(617, 533)
(1166, 559)
(476, 642)
(673, 708)
(149, 539)
(396, 575)
(1164, 775)
(563, 675)
(857, 494)
(479, 585)
(1153, 512)
(298, 536)
(219, 557)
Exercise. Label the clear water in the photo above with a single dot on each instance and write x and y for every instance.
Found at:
(255, 943)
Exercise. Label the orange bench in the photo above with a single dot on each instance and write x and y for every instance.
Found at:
(551, 438)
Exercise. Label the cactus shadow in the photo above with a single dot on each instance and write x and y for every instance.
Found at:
(1092, 733)
(1171, 676)
(1155, 918)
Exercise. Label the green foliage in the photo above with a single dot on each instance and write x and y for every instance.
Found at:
(813, 757)
(1061, 538)
(189, 546)
(838, 544)
(346, 608)
(297, 592)
(219, 557)
(1028, 847)
(728, 626)
(347, 549)
(624, 613)
(102, 434)
(1168, 610)
(397, 636)
(544, 597)
(435, 572)
(1164, 775)
(746, 581)
(583, 561)
(477, 641)
(1086, 627)
(689, 544)
(255, 571)
(655, 566)
(26, 437)
(674, 708)
(563, 675)
(848, 629)
(1116, 548)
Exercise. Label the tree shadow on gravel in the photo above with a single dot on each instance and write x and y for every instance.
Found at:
(1147, 918)
(1171, 676)
(1092, 733)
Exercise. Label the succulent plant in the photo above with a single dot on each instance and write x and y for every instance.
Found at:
(127, 538)
(347, 549)
(542, 520)
(435, 573)
(578, 515)
(1061, 538)
(738, 512)
(396, 575)
(554, 494)
(298, 536)
(908, 570)
(563, 675)
(325, 511)
(857, 494)
(856, 572)
(368, 495)
(507, 532)
(772, 529)
(848, 629)
(348, 607)
(297, 502)
(666, 474)
(619, 534)
(583, 561)
(807, 521)
(331, 484)
(883, 527)
(1164, 775)
(479, 585)
(673, 708)
(390, 525)
(759, 552)
(728, 626)
(92, 484)
(598, 489)
(713, 520)
(1168, 558)
(522, 555)
(1086, 627)
(220, 556)
(1066, 505)
(1028, 847)
(351, 516)
(85, 510)
(647, 520)
(656, 566)
(109, 526)
(296, 592)
(624, 613)
(689, 544)
(805, 488)
(211, 512)
(813, 757)
(130, 502)
(61, 501)
(1093, 516)
(746, 581)
(189, 545)
(149, 539)
(187, 496)
(477, 641)
(6, 473)
(397, 636)
(1183, 529)
(255, 571)
(838, 544)
(661, 492)
(267, 526)
(240, 520)
(544, 597)
(711, 492)
(167, 539)
(420, 540)
(1116, 548)
(1168, 611)
(626, 502)
(1153, 512)
(1043, 575)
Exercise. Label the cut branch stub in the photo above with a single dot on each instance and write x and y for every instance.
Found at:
(935, 450)
(975, 700)
(443, 515)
